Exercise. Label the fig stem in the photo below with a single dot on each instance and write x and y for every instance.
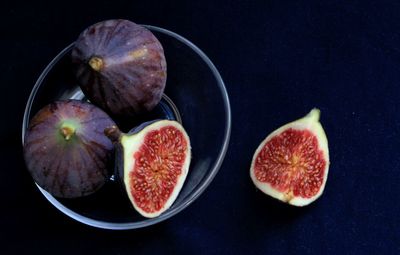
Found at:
(67, 132)
(113, 133)
(314, 114)
(96, 63)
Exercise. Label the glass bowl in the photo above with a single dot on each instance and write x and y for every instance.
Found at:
(195, 95)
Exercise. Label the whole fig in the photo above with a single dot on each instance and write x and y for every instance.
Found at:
(65, 148)
(120, 67)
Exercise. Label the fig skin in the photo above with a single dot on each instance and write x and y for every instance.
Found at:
(120, 67)
(127, 145)
(65, 149)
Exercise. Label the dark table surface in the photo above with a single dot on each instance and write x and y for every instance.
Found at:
(278, 60)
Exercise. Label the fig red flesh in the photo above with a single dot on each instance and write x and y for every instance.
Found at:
(292, 161)
(158, 165)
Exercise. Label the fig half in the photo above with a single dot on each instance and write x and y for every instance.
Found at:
(65, 148)
(292, 163)
(120, 67)
(153, 161)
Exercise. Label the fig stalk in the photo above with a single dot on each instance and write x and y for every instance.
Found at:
(96, 63)
(67, 131)
(113, 133)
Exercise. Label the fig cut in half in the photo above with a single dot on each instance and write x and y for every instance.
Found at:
(65, 148)
(153, 161)
(292, 163)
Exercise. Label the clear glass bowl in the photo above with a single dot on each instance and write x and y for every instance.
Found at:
(195, 95)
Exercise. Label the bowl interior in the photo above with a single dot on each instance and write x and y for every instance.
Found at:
(195, 95)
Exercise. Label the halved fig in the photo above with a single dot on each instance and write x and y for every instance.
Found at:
(292, 163)
(120, 67)
(153, 161)
(65, 148)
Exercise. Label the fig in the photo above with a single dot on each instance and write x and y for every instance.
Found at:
(152, 162)
(65, 148)
(120, 67)
(292, 163)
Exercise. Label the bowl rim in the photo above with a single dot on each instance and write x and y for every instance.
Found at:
(191, 197)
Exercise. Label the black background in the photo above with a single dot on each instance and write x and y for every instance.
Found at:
(278, 60)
